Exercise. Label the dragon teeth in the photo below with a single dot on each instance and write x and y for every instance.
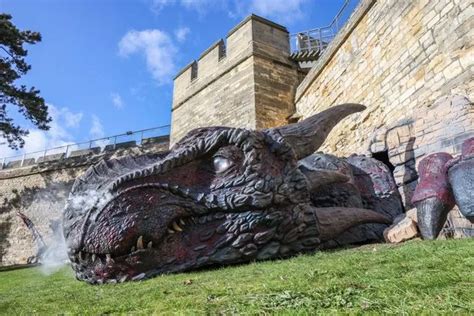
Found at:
(138, 277)
(200, 196)
(133, 249)
(108, 258)
(140, 242)
(150, 245)
(176, 227)
(93, 257)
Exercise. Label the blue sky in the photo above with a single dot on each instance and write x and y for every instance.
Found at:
(107, 66)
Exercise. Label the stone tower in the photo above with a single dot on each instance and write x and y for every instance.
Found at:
(247, 81)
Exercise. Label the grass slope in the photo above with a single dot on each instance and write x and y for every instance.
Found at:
(415, 277)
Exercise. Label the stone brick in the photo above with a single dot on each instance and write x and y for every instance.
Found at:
(453, 70)
(412, 214)
(457, 225)
(393, 141)
(378, 147)
(404, 229)
(466, 58)
(405, 173)
(446, 8)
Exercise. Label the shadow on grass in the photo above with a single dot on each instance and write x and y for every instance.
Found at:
(18, 266)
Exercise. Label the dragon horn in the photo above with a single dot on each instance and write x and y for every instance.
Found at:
(335, 220)
(321, 177)
(431, 214)
(308, 135)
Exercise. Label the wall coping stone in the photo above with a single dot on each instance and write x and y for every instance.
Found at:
(79, 161)
(259, 19)
(51, 166)
(210, 48)
(184, 69)
(361, 10)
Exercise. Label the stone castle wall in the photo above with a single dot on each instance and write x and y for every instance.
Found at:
(40, 192)
(411, 64)
(397, 58)
(249, 81)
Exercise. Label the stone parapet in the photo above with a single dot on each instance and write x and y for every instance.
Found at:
(80, 157)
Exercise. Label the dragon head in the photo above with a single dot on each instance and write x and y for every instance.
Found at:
(221, 195)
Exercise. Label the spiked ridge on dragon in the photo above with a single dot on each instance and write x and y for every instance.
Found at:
(223, 196)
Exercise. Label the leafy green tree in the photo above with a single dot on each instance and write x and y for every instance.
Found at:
(12, 66)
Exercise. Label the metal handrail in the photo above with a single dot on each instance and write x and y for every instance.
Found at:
(99, 142)
(320, 37)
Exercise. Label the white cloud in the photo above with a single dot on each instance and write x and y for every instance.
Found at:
(63, 119)
(59, 134)
(182, 33)
(71, 119)
(282, 11)
(201, 6)
(97, 132)
(117, 100)
(158, 49)
(158, 5)
(97, 129)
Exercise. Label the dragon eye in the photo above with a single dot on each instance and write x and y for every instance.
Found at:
(221, 164)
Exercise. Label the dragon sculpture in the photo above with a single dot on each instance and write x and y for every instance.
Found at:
(222, 196)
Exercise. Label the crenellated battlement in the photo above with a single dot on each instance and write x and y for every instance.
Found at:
(230, 67)
(239, 39)
(254, 35)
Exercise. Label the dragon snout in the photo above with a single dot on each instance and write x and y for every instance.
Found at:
(132, 220)
(111, 243)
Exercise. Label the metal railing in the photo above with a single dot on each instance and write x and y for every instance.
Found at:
(95, 146)
(318, 39)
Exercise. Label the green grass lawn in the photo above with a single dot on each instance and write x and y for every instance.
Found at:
(415, 277)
